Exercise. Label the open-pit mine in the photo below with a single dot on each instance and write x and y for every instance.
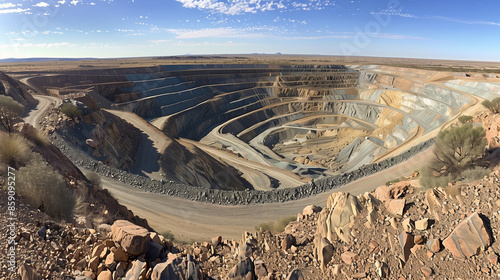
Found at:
(250, 133)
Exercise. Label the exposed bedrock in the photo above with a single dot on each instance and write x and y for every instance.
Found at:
(327, 119)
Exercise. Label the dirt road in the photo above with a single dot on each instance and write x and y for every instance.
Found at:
(189, 220)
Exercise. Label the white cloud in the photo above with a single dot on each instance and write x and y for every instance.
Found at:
(14, 11)
(7, 5)
(74, 2)
(62, 2)
(41, 5)
(214, 33)
(408, 15)
(92, 4)
(233, 7)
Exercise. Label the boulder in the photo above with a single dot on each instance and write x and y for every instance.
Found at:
(245, 251)
(493, 258)
(434, 245)
(177, 268)
(245, 269)
(343, 207)
(396, 207)
(325, 252)
(96, 252)
(406, 242)
(105, 275)
(422, 224)
(120, 255)
(216, 241)
(134, 240)
(469, 237)
(138, 269)
(154, 251)
(287, 242)
(310, 209)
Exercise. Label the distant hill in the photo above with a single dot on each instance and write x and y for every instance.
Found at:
(38, 59)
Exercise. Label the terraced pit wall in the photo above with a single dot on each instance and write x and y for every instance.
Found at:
(233, 197)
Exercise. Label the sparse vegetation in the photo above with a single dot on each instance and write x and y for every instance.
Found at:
(277, 226)
(457, 150)
(37, 136)
(493, 105)
(71, 110)
(391, 182)
(94, 178)
(15, 150)
(10, 111)
(465, 119)
(46, 190)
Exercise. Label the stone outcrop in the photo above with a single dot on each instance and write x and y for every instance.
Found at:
(134, 240)
(469, 238)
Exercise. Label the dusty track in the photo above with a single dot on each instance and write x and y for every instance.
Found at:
(201, 221)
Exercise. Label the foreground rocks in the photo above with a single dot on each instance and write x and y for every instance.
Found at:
(442, 233)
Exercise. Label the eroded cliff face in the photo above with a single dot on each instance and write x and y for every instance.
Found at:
(18, 91)
(106, 137)
(185, 163)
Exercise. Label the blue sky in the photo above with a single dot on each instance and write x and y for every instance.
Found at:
(114, 28)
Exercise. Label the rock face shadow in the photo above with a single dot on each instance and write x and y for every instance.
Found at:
(146, 157)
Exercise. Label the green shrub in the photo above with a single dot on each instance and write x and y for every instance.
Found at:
(45, 189)
(493, 105)
(465, 119)
(71, 110)
(15, 150)
(10, 112)
(428, 180)
(458, 149)
(474, 174)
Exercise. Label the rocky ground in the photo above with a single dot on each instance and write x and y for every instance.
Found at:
(396, 232)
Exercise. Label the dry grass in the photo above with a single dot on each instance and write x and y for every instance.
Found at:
(46, 190)
(276, 226)
(15, 150)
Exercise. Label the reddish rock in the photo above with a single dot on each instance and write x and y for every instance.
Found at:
(216, 241)
(120, 255)
(406, 241)
(349, 257)
(427, 271)
(132, 238)
(396, 207)
(94, 263)
(493, 258)
(98, 250)
(468, 238)
(419, 239)
(105, 275)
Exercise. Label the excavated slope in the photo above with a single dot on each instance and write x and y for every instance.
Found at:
(306, 120)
